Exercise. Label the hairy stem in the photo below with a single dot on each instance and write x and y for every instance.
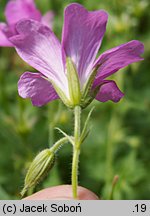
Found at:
(58, 144)
(77, 116)
(75, 160)
(76, 150)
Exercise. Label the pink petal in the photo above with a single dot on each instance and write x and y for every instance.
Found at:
(109, 91)
(82, 36)
(38, 46)
(18, 9)
(35, 87)
(3, 39)
(48, 19)
(119, 57)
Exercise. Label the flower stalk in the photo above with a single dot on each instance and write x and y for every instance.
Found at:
(58, 144)
(76, 150)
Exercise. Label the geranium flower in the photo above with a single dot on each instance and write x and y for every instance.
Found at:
(16, 10)
(74, 59)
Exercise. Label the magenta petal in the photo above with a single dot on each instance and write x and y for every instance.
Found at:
(109, 91)
(48, 19)
(19, 9)
(3, 39)
(35, 87)
(82, 35)
(114, 59)
(38, 46)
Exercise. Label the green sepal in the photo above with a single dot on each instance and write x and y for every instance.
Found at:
(38, 169)
(88, 95)
(86, 129)
(73, 82)
(88, 84)
(62, 96)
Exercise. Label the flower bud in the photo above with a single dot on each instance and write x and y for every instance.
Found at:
(38, 169)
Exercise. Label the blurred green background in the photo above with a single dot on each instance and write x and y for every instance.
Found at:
(119, 142)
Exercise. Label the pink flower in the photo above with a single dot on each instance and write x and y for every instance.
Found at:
(15, 11)
(74, 59)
